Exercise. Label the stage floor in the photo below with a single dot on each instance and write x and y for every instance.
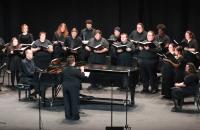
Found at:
(150, 113)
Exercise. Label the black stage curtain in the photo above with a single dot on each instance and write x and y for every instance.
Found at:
(177, 15)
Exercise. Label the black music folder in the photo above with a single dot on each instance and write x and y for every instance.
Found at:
(96, 46)
(85, 42)
(146, 43)
(119, 45)
(43, 46)
(21, 49)
(112, 39)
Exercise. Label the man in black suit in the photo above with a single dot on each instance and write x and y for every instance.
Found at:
(28, 70)
(71, 82)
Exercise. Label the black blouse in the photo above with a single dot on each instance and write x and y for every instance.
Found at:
(25, 39)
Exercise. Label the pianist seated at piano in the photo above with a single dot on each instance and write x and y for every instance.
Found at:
(58, 40)
(71, 83)
(191, 48)
(28, 72)
(25, 37)
(115, 37)
(73, 45)
(97, 48)
(14, 59)
(42, 50)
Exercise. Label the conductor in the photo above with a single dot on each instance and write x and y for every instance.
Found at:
(71, 82)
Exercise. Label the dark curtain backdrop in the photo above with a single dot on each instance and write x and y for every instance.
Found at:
(177, 15)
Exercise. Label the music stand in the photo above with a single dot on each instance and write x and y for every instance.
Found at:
(111, 107)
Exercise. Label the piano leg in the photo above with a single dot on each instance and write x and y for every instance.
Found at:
(132, 92)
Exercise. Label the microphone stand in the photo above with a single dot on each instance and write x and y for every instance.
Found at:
(126, 103)
(39, 107)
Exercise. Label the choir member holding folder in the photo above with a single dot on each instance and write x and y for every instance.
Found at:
(58, 40)
(73, 44)
(168, 72)
(178, 64)
(139, 34)
(14, 59)
(148, 61)
(25, 38)
(162, 37)
(124, 51)
(191, 48)
(86, 34)
(97, 48)
(115, 37)
(42, 49)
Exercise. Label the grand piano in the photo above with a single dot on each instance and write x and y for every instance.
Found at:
(108, 76)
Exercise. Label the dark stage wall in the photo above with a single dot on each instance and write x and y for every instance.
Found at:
(178, 15)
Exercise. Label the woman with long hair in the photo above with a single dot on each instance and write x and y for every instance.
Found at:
(186, 88)
(58, 40)
(14, 59)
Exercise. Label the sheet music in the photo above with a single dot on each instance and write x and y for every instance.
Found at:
(176, 42)
(74, 49)
(85, 41)
(131, 40)
(97, 46)
(87, 74)
(162, 55)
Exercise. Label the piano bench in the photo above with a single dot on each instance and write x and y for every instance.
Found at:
(26, 88)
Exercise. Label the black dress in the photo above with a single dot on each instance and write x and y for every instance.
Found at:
(190, 57)
(14, 63)
(164, 39)
(180, 71)
(148, 61)
(191, 81)
(168, 76)
(74, 43)
(71, 82)
(58, 41)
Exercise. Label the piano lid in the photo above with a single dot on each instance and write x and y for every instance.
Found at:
(109, 68)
